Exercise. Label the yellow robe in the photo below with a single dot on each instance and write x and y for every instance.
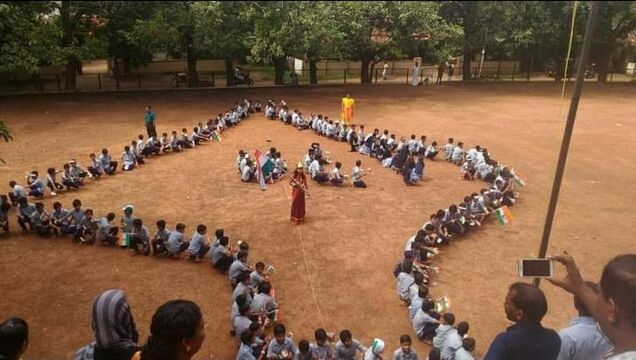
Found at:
(347, 110)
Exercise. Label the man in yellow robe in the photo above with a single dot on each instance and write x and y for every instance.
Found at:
(347, 109)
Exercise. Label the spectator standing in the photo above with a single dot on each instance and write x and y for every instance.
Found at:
(149, 120)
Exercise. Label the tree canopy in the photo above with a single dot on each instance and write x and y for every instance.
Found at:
(34, 34)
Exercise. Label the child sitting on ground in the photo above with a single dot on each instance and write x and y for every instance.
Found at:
(322, 349)
(199, 244)
(159, 243)
(176, 243)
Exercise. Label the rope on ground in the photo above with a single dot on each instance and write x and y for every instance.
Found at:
(311, 284)
(567, 59)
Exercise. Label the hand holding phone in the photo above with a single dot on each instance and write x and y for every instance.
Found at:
(536, 268)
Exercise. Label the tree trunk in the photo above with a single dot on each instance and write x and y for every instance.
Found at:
(313, 71)
(37, 82)
(191, 60)
(229, 72)
(372, 68)
(279, 69)
(364, 71)
(70, 69)
(529, 72)
(466, 70)
(602, 63)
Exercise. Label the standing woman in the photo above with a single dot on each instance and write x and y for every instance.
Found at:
(176, 332)
(114, 327)
(299, 183)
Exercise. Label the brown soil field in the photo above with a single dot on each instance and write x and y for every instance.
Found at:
(352, 238)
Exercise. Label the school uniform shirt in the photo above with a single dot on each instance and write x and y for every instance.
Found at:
(105, 160)
(36, 218)
(196, 243)
(97, 165)
(19, 192)
(142, 234)
(38, 184)
(76, 216)
(164, 235)
(263, 303)
(323, 352)
(242, 289)
(470, 155)
(457, 153)
(60, 215)
(430, 150)
(412, 145)
(335, 174)
(236, 268)
(246, 174)
(274, 349)
(174, 241)
(174, 141)
(256, 279)
(128, 157)
(404, 282)
(451, 343)
(416, 304)
(370, 355)
(484, 169)
(314, 168)
(463, 354)
(103, 226)
(420, 320)
(241, 324)
(348, 353)
(76, 171)
(401, 355)
(583, 340)
(245, 353)
(448, 149)
(127, 223)
(421, 145)
(356, 174)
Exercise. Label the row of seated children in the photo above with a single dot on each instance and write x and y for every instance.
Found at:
(314, 164)
(246, 167)
(73, 175)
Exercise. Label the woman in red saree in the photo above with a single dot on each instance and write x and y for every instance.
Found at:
(299, 183)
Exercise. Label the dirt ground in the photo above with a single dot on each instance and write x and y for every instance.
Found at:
(352, 237)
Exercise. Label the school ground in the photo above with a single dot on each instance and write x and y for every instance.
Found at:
(352, 238)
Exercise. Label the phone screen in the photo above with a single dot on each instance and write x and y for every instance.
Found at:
(536, 268)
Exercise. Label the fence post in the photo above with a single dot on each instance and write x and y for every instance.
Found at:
(498, 70)
(376, 76)
(177, 79)
(345, 76)
(407, 76)
(99, 81)
(213, 80)
(117, 81)
(514, 69)
(59, 84)
(15, 80)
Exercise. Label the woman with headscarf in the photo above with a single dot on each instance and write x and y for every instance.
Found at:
(114, 327)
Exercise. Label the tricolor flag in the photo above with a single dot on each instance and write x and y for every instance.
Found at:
(442, 304)
(264, 167)
(519, 181)
(503, 215)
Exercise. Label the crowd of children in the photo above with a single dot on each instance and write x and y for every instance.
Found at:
(254, 307)
(407, 157)
(34, 217)
(246, 166)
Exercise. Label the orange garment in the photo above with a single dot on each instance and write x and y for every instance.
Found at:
(347, 110)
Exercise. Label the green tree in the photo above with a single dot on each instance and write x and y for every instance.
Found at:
(28, 37)
(617, 19)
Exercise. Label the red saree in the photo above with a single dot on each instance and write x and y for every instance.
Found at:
(298, 198)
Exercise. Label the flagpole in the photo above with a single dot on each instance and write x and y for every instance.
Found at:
(567, 135)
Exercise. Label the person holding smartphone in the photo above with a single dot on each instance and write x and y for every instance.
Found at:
(614, 306)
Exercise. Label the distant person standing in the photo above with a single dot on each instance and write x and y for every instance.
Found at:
(415, 74)
(385, 70)
(149, 120)
(440, 73)
(451, 69)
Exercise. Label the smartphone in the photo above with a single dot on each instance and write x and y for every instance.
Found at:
(536, 268)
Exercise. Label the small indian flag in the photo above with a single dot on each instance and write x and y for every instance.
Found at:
(264, 166)
(504, 216)
(519, 181)
(442, 304)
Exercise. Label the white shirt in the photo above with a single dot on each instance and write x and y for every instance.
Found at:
(335, 174)
(356, 174)
(314, 168)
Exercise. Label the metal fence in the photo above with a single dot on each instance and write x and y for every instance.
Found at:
(264, 76)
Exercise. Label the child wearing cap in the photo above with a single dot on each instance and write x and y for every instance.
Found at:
(375, 351)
